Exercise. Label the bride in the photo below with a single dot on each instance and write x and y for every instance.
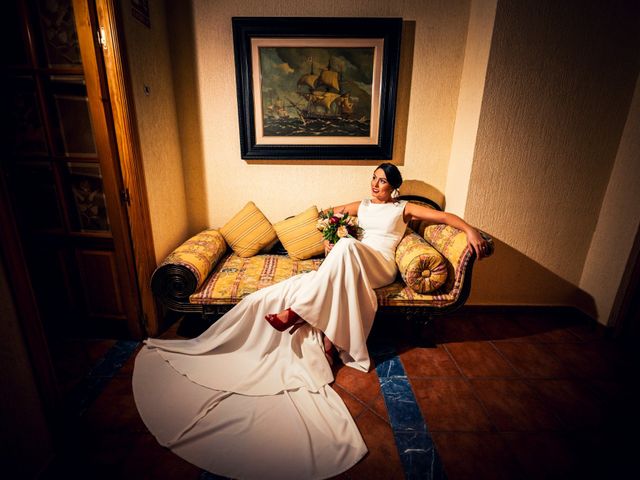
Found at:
(246, 399)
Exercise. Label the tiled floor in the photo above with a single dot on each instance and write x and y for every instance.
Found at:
(501, 395)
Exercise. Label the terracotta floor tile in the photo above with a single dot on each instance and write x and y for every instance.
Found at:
(480, 359)
(512, 405)
(618, 400)
(547, 328)
(458, 328)
(354, 406)
(592, 359)
(89, 454)
(148, 459)
(379, 407)
(574, 401)
(382, 461)
(476, 456)
(115, 409)
(364, 386)
(500, 326)
(450, 405)
(428, 362)
(547, 454)
(532, 360)
(589, 332)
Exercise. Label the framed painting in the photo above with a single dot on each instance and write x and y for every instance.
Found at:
(316, 88)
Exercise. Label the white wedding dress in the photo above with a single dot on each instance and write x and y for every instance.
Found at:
(244, 400)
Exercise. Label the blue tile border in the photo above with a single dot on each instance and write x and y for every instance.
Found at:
(85, 393)
(418, 454)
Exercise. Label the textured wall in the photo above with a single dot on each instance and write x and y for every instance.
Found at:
(476, 58)
(558, 87)
(150, 64)
(618, 222)
(428, 99)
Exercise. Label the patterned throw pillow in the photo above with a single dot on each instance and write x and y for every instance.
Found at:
(421, 266)
(299, 235)
(248, 231)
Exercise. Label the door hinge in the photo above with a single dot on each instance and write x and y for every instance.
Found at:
(102, 37)
(125, 197)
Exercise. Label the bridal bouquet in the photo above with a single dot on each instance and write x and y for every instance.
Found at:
(335, 226)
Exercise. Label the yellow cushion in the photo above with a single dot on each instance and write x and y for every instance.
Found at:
(248, 231)
(299, 235)
(421, 266)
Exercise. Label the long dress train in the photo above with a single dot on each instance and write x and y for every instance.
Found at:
(246, 401)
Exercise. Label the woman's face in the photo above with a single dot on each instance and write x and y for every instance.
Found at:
(380, 187)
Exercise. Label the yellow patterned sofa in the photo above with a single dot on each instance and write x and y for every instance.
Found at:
(204, 276)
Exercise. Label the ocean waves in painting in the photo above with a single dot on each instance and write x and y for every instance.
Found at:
(316, 127)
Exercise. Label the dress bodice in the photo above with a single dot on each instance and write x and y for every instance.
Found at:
(383, 225)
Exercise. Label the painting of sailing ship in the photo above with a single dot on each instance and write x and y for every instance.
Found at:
(318, 88)
(316, 91)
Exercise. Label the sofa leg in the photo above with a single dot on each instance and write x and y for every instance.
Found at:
(423, 328)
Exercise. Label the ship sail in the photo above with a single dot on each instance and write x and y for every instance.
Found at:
(327, 99)
(324, 95)
(329, 78)
(308, 80)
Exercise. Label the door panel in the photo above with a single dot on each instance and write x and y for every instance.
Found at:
(63, 174)
(99, 277)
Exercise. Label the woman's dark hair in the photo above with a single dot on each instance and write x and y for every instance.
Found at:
(394, 177)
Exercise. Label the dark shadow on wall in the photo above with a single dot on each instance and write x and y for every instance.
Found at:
(181, 30)
(404, 91)
(511, 278)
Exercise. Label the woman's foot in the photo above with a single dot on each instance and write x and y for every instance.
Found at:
(285, 319)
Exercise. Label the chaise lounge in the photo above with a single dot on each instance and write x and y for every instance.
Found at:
(205, 276)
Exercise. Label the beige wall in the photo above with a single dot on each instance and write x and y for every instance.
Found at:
(428, 105)
(558, 87)
(476, 58)
(24, 439)
(618, 221)
(150, 65)
(515, 109)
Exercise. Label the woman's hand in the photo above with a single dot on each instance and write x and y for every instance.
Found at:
(477, 243)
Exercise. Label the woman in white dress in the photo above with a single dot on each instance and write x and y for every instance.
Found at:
(245, 400)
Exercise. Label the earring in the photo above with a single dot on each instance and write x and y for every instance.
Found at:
(395, 193)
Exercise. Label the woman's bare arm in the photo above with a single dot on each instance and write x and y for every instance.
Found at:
(350, 208)
(419, 212)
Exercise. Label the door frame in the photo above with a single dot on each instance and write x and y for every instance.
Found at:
(99, 24)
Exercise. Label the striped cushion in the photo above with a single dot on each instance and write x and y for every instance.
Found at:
(299, 235)
(248, 231)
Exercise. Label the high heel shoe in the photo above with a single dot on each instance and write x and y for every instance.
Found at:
(330, 352)
(330, 355)
(293, 321)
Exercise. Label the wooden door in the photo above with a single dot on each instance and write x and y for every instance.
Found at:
(60, 164)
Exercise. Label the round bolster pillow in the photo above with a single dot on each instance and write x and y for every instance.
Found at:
(186, 268)
(421, 266)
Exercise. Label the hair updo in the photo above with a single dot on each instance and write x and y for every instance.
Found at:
(394, 177)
